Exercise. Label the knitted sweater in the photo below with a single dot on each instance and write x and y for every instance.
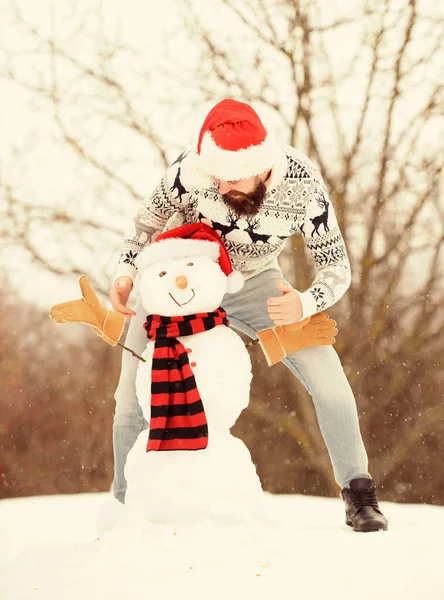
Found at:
(296, 202)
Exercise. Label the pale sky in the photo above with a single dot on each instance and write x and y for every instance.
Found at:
(47, 173)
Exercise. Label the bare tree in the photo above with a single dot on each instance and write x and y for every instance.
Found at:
(366, 111)
(92, 112)
(387, 194)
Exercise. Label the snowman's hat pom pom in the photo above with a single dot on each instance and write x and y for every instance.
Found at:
(235, 282)
(194, 239)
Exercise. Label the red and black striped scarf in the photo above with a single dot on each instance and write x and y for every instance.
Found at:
(178, 419)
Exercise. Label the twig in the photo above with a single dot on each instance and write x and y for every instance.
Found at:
(132, 352)
(247, 345)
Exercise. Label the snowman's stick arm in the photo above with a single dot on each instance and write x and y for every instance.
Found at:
(248, 345)
(132, 352)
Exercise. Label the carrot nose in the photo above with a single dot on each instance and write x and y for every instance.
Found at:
(181, 282)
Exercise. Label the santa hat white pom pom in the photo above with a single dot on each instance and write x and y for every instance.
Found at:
(235, 282)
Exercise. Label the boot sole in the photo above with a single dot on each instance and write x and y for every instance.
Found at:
(370, 530)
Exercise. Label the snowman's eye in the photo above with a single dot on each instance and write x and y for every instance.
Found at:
(162, 273)
(190, 264)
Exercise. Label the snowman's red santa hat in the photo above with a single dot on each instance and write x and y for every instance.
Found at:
(194, 239)
(233, 143)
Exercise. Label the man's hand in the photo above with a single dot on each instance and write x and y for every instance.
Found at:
(287, 308)
(119, 295)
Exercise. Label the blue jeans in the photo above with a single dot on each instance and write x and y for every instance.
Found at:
(318, 368)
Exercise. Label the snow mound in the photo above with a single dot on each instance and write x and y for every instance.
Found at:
(300, 548)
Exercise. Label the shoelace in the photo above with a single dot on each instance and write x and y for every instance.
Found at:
(365, 498)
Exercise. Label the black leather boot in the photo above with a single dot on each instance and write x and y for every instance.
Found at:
(362, 511)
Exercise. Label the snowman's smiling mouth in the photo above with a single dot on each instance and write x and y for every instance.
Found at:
(183, 303)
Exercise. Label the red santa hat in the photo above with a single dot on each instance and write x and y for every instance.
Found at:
(195, 239)
(234, 144)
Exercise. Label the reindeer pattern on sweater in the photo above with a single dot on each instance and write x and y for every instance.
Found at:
(296, 202)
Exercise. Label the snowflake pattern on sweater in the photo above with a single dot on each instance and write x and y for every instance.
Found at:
(296, 202)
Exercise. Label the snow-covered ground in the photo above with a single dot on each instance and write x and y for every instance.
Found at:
(303, 549)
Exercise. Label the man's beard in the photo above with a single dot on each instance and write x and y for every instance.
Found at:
(246, 205)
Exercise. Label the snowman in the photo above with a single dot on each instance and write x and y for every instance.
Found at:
(192, 387)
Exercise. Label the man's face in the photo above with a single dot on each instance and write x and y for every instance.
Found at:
(245, 186)
(245, 196)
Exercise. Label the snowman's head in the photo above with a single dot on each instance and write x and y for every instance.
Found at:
(185, 276)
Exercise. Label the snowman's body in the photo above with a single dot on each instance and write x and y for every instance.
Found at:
(220, 480)
(222, 369)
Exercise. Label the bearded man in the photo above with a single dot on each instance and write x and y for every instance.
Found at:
(256, 194)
